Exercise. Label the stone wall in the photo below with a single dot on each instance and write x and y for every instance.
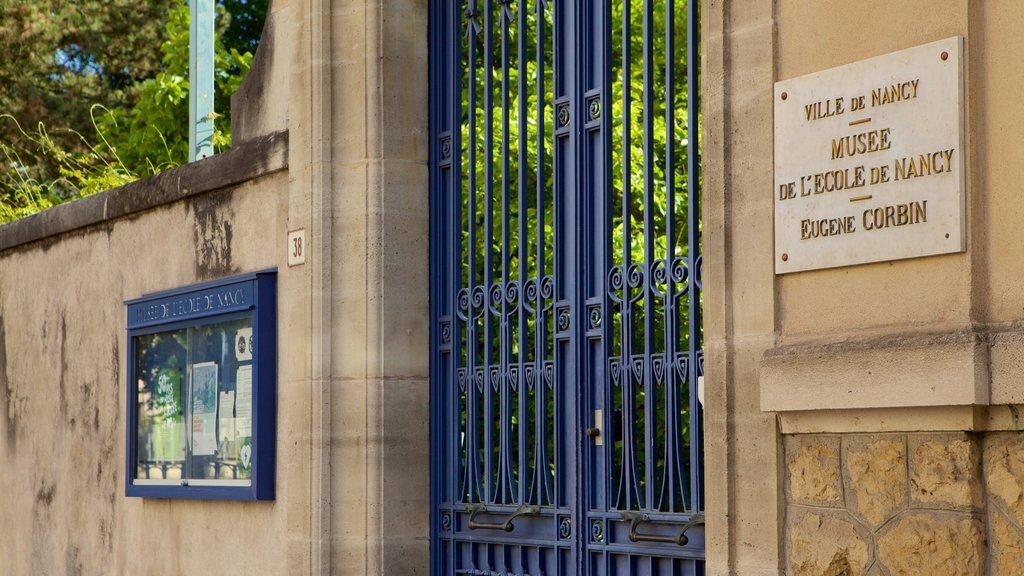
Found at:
(63, 357)
(895, 504)
(885, 436)
(331, 138)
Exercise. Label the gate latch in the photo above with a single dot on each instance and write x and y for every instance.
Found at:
(596, 431)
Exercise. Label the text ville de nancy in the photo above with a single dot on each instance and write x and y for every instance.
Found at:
(850, 178)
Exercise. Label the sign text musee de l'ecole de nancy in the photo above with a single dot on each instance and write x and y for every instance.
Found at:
(869, 160)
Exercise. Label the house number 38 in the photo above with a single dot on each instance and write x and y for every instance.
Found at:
(297, 247)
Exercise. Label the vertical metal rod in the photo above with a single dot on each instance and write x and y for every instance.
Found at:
(475, 492)
(441, 294)
(521, 121)
(673, 469)
(620, 463)
(587, 246)
(507, 251)
(488, 248)
(628, 426)
(471, 340)
(604, 258)
(559, 237)
(542, 327)
(648, 299)
(607, 325)
(543, 485)
(506, 261)
(455, 265)
(693, 215)
(200, 71)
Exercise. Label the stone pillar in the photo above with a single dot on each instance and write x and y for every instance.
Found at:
(741, 446)
(379, 306)
(359, 141)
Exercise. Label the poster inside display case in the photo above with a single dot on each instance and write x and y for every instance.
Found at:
(202, 396)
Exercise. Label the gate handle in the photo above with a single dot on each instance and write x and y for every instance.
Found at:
(637, 518)
(477, 509)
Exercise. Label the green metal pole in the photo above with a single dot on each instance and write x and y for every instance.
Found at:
(200, 96)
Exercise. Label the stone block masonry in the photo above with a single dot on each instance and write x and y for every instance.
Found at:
(904, 504)
(1004, 483)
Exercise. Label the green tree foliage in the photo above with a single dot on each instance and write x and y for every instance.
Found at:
(115, 74)
(59, 57)
(245, 24)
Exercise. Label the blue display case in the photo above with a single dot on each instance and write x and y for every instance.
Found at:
(202, 399)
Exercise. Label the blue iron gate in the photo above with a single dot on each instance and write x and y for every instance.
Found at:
(565, 258)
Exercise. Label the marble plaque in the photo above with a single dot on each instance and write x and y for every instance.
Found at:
(870, 160)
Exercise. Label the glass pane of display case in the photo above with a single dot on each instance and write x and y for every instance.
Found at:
(195, 402)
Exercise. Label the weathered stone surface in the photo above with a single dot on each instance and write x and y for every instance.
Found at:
(825, 546)
(946, 472)
(933, 544)
(1008, 548)
(1004, 472)
(814, 474)
(877, 475)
